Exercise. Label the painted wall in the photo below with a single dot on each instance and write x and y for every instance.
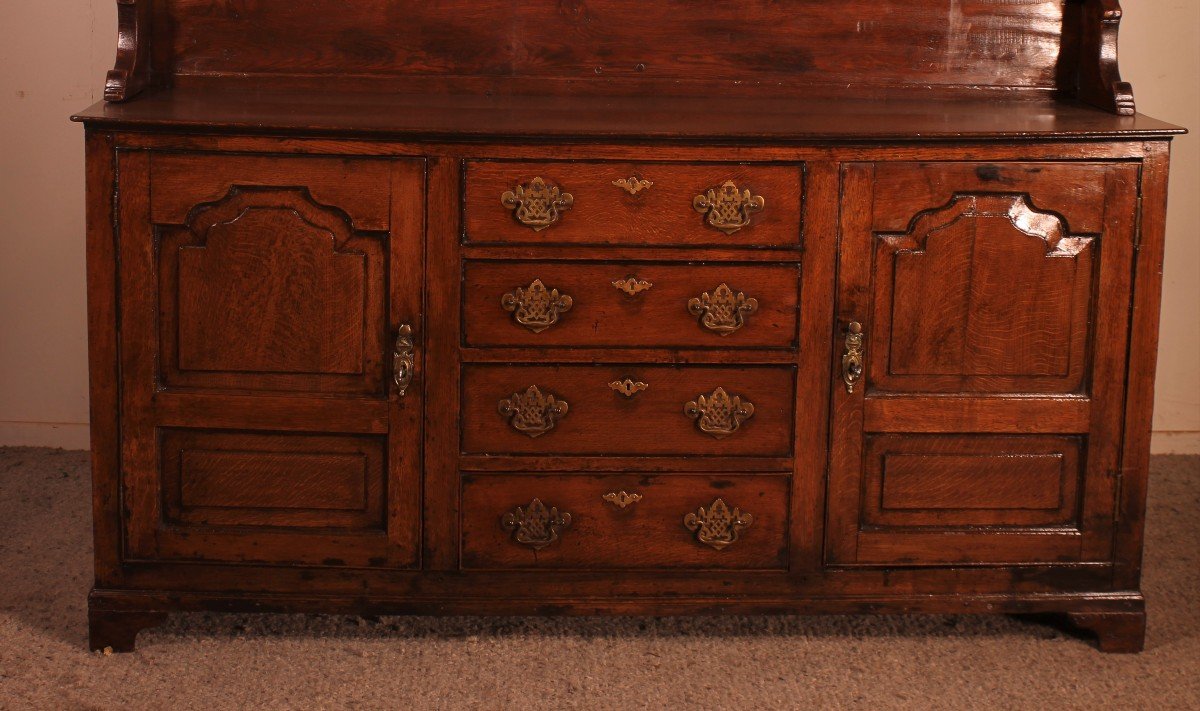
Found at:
(53, 62)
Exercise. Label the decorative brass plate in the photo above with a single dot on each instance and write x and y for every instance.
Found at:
(727, 208)
(722, 311)
(628, 387)
(402, 359)
(719, 414)
(535, 526)
(631, 285)
(717, 526)
(633, 184)
(537, 205)
(536, 307)
(852, 363)
(621, 499)
(532, 412)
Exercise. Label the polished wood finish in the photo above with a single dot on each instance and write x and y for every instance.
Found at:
(637, 402)
(662, 214)
(602, 422)
(604, 316)
(649, 534)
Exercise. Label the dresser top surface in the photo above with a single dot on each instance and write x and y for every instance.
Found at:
(442, 116)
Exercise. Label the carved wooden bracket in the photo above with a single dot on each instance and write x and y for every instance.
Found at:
(1098, 78)
(131, 73)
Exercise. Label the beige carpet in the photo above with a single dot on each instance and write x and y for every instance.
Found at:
(685, 664)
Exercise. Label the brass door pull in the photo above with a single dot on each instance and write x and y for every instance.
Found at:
(727, 208)
(723, 311)
(852, 360)
(533, 412)
(402, 359)
(719, 415)
(717, 526)
(535, 307)
(631, 285)
(536, 525)
(621, 499)
(537, 205)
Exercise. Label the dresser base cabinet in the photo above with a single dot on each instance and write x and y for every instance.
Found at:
(429, 344)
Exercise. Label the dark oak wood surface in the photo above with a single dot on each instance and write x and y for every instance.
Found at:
(354, 350)
(475, 116)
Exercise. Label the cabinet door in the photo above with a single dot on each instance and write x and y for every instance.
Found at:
(979, 368)
(262, 299)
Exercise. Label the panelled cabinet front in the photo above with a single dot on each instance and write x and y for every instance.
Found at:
(982, 325)
(267, 310)
(781, 384)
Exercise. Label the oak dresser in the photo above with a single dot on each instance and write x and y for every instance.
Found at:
(621, 307)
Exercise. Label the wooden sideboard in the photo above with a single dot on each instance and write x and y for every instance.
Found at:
(617, 307)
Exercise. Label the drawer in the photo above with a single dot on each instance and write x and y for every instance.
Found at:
(625, 521)
(628, 304)
(614, 410)
(651, 204)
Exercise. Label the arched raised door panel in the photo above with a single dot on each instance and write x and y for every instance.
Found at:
(267, 289)
(274, 288)
(984, 294)
(984, 426)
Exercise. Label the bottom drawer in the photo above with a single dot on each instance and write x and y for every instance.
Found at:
(625, 521)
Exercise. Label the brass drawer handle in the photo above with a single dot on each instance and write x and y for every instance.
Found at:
(723, 311)
(532, 412)
(402, 359)
(628, 387)
(621, 499)
(719, 415)
(535, 526)
(852, 361)
(537, 205)
(633, 184)
(535, 307)
(631, 285)
(727, 208)
(717, 526)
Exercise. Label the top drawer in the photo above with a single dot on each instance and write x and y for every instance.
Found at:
(646, 204)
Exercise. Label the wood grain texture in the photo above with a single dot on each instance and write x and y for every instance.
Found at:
(358, 188)
(647, 534)
(971, 481)
(103, 335)
(601, 315)
(233, 479)
(249, 494)
(984, 294)
(662, 214)
(268, 107)
(131, 73)
(1090, 29)
(707, 40)
(943, 497)
(601, 422)
(267, 290)
(1139, 397)
(1012, 48)
(938, 319)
